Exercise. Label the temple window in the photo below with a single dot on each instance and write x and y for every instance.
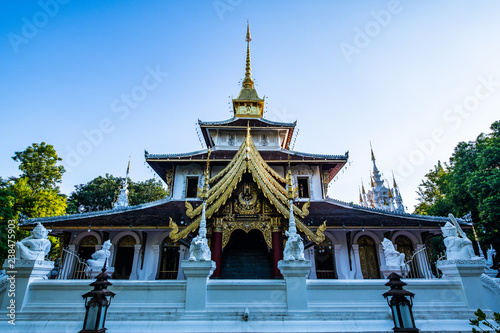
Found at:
(404, 245)
(169, 261)
(191, 187)
(303, 183)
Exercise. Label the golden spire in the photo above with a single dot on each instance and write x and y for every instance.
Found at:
(372, 183)
(394, 180)
(362, 187)
(248, 81)
(360, 198)
(371, 149)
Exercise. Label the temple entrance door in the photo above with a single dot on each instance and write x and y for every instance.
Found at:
(124, 258)
(246, 256)
(368, 258)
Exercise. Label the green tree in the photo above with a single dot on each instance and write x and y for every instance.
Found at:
(38, 164)
(431, 192)
(146, 191)
(101, 192)
(35, 193)
(7, 212)
(470, 183)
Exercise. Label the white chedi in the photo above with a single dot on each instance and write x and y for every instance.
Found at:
(294, 247)
(458, 246)
(393, 258)
(36, 246)
(99, 257)
(199, 250)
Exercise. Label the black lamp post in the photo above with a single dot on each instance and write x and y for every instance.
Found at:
(96, 304)
(401, 306)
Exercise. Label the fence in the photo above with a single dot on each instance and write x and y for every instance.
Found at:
(72, 267)
(418, 266)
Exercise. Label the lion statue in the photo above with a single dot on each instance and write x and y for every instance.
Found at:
(294, 248)
(199, 250)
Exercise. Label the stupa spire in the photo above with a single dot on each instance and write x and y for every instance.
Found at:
(248, 81)
(248, 104)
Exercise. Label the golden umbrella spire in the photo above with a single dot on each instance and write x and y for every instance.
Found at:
(248, 81)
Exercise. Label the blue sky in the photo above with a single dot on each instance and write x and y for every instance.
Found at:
(414, 77)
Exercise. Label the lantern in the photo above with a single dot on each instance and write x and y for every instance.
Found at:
(97, 304)
(400, 305)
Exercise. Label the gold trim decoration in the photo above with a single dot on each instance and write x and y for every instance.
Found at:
(272, 185)
(218, 224)
(127, 241)
(89, 241)
(276, 224)
(229, 227)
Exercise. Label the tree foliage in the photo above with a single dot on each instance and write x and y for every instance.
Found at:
(101, 192)
(38, 164)
(469, 183)
(482, 320)
(35, 193)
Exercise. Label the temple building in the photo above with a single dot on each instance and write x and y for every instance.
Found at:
(247, 208)
(248, 240)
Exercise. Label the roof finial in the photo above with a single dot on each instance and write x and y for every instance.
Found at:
(371, 149)
(248, 81)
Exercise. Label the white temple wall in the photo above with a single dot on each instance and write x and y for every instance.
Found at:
(339, 242)
(439, 305)
(316, 191)
(182, 172)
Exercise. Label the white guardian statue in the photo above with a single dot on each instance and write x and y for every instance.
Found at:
(36, 246)
(490, 254)
(458, 246)
(392, 257)
(99, 257)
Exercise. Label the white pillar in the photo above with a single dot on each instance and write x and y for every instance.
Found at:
(182, 256)
(197, 274)
(295, 272)
(155, 261)
(381, 255)
(20, 273)
(309, 255)
(69, 263)
(422, 263)
(469, 272)
(357, 262)
(338, 261)
(135, 262)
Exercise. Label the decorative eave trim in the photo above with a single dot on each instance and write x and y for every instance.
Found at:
(229, 121)
(333, 158)
(108, 212)
(379, 211)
